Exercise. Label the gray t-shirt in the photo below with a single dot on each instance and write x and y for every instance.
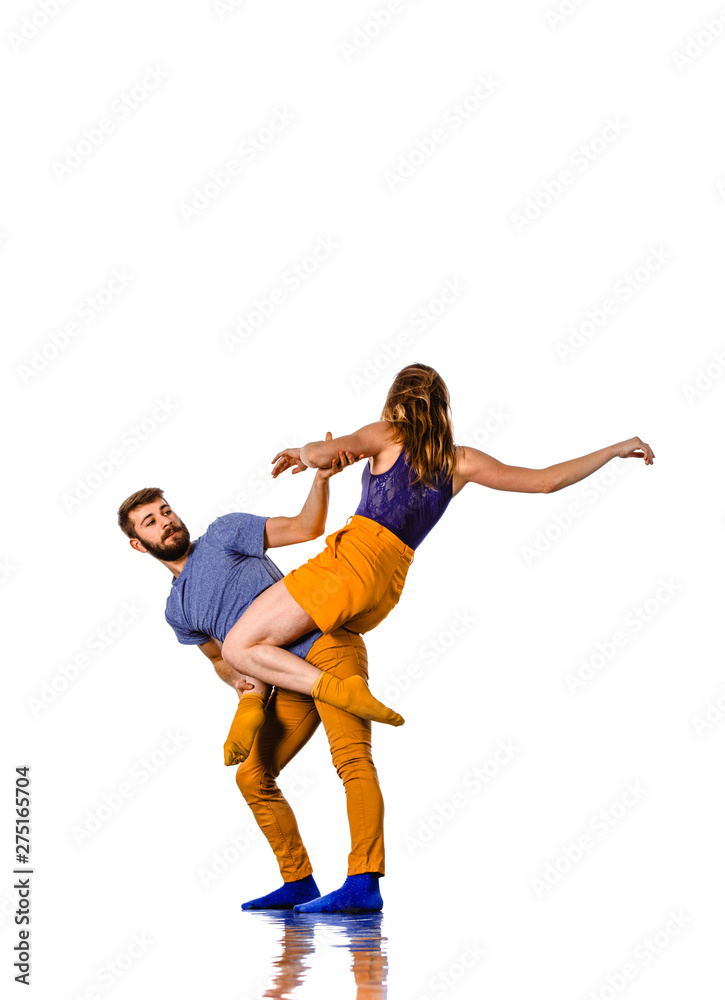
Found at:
(225, 570)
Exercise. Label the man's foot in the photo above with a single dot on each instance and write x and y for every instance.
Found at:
(285, 898)
(353, 695)
(357, 894)
(246, 724)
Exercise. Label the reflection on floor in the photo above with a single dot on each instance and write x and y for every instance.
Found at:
(304, 934)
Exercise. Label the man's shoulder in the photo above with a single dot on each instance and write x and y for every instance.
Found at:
(239, 532)
(235, 518)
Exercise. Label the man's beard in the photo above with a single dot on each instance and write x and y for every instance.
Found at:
(171, 549)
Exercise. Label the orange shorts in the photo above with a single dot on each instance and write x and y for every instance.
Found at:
(356, 580)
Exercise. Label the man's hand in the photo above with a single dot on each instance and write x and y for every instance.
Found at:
(213, 651)
(344, 458)
(242, 685)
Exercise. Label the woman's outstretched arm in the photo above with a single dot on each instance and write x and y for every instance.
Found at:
(473, 466)
(566, 473)
(366, 442)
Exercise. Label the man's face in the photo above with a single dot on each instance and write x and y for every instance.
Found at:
(159, 531)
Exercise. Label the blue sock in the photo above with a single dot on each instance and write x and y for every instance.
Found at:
(357, 894)
(285, 898)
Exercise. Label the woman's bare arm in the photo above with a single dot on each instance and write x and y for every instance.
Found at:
(473, 466)
(370, 440)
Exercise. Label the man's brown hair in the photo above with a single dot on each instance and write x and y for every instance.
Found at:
(136, 500)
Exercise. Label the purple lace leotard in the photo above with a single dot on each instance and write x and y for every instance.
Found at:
(409, 511)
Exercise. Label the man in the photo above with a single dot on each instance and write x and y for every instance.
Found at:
(229, 570)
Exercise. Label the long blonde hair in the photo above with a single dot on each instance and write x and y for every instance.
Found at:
(418, 408)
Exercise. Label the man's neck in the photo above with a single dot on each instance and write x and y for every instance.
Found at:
(178, 564)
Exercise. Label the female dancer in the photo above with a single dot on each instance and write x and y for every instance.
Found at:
(414, 472)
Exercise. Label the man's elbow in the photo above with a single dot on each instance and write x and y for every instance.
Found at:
(305, 533)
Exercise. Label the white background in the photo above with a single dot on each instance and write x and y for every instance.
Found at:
(360, 97)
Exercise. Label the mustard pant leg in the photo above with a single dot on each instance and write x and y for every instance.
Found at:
(344, 654)
(290, 721)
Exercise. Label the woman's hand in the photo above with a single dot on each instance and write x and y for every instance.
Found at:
(636, 448)
(288, 459)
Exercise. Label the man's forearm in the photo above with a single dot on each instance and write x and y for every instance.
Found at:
(576, 469)
(311, 519)
(227, 674)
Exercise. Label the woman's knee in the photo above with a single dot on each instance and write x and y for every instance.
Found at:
(235, 649)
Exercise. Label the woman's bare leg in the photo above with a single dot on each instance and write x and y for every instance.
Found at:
(250, 648)
(240, 656)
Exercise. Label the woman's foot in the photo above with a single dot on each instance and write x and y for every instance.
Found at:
(353, 695)
(246, 724)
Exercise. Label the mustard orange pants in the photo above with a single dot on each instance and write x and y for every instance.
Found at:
(356, 580)
(290, 721)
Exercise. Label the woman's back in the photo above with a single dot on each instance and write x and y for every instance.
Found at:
(408, 509)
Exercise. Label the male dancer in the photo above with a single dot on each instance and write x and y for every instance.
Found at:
(209, 594)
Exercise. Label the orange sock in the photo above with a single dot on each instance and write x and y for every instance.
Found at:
(245, 725)
(353, 695)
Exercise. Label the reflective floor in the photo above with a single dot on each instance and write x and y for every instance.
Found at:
(350, 947)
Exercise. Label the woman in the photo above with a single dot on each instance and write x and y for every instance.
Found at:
(414, 472)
